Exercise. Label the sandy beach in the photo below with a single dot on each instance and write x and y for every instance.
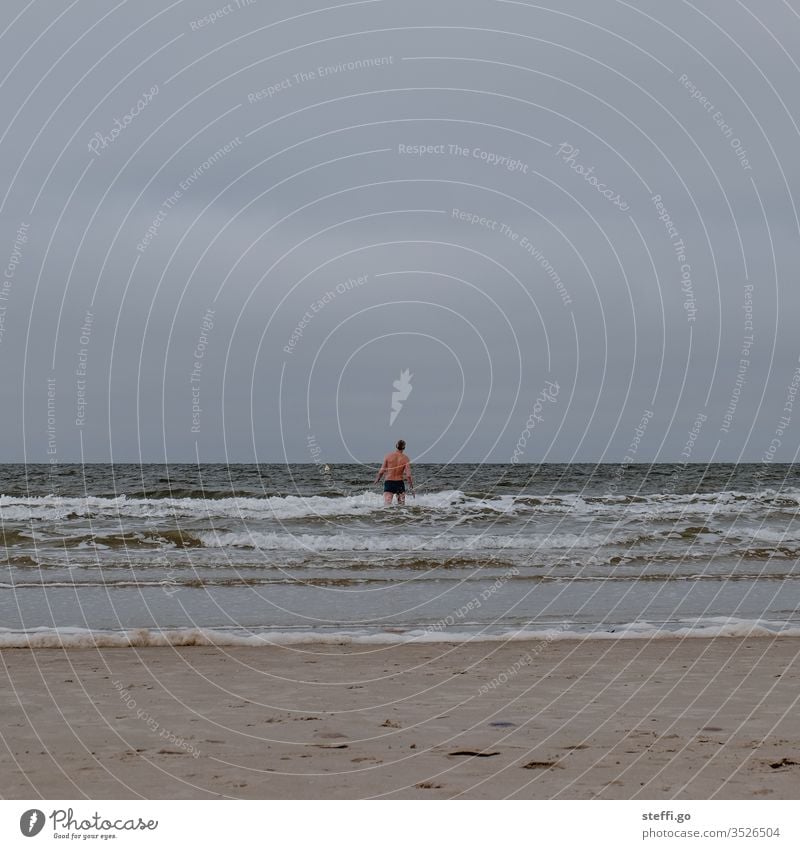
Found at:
(611, 719)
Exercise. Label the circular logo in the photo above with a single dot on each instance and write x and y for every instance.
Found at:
(31, 822)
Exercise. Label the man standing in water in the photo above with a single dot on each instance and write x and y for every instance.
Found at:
(397, 468)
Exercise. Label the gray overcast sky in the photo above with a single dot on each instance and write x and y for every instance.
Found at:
(184, 183)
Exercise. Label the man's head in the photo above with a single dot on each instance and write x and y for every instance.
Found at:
(401, 445)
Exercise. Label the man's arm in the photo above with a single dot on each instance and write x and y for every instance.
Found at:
(382, 471)
(407, 473)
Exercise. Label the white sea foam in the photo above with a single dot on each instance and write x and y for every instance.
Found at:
(768, 535)
(275, 507)
(78, 638)
(406, 542)
(51, 507)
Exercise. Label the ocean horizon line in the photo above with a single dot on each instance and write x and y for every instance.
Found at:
(638, 464)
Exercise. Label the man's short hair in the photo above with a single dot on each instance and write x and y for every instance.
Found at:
(401, 444)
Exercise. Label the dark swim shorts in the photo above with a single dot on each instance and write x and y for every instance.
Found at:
(394, 486)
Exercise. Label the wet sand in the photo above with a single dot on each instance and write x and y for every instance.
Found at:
(610, 719)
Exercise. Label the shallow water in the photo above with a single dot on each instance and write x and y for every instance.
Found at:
(280, 552)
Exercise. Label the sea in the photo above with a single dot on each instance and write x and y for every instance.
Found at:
(138, 555)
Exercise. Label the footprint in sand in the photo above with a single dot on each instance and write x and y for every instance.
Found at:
(329, 735)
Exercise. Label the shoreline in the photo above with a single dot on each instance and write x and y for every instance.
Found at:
(668, 718)
(71, 639)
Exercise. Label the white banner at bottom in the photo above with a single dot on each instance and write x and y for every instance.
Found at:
(370, 824)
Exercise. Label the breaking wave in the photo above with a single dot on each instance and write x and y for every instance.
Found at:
(78, 638)
(407, 542)
(288, 507)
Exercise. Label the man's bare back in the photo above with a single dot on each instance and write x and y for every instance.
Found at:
(396, 469)
(395, 465)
